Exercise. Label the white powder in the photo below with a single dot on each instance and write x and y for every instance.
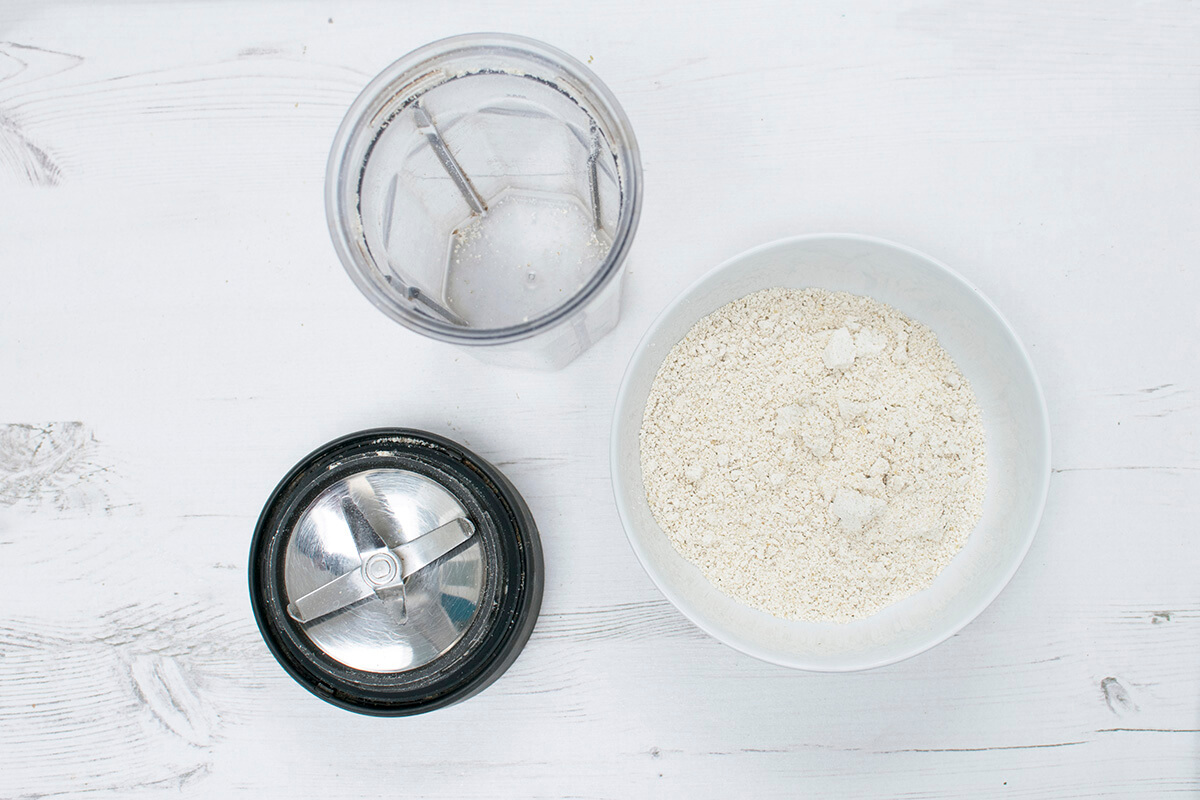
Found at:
(817, 455)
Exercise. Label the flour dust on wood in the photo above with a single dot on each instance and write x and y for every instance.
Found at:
(817, 455)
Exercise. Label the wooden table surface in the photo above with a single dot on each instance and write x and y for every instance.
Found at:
(175, 332)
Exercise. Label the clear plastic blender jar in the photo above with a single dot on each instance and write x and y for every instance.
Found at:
(484, 190)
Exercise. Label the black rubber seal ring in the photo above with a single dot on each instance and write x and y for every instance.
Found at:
(512, 554)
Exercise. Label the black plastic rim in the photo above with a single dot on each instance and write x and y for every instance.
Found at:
(512, 590)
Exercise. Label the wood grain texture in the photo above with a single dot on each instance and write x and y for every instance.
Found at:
(175, 332)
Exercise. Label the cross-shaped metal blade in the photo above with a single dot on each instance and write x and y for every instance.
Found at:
(382, 570)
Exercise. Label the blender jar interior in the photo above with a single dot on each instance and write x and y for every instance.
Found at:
(491, 194)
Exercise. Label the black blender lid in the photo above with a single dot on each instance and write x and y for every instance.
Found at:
(394, 571)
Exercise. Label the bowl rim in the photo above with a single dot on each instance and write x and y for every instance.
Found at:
(965, 617)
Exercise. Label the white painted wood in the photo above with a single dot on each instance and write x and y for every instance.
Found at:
(168, 283)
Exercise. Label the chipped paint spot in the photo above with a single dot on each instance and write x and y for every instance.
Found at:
(24, 158)
(1117, 697)
(23, 66)
(169, 694)
(248, 52)
(133, 691)
(51, 463)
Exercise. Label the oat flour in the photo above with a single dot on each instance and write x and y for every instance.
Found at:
(817, 455)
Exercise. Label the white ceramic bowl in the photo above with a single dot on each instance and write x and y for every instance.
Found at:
(1014, 414)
